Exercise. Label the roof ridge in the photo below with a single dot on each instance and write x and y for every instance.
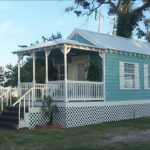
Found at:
(115, 36)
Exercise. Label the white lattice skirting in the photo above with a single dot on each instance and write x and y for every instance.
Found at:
(73, 115)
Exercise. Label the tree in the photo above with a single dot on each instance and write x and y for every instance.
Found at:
(129, 13)
(58, 35)
(1, 74)
(11, 73)
(93, 71)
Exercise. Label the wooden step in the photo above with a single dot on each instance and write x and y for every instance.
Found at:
(12, 113)
(9, 119)
(16, 108)
(9, 125)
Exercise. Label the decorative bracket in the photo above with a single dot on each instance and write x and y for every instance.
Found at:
(100, 54)
(20, 57)
(47, 52)
(33, 55)
(67, 49)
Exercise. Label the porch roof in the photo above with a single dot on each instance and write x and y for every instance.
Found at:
(55, 44)
(105, 41)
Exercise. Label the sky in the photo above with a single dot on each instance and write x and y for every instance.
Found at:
(24, 22)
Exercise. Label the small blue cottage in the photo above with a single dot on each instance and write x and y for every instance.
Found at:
(122, 93)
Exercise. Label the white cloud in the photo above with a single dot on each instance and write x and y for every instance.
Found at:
(4, 27)
(16, 31)
(5, 6)
(7, 28)
(60, 22)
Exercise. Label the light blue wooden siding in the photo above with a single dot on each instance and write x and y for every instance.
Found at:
(79, 38)
(113, 91)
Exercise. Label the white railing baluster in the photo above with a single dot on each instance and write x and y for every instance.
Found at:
(32, 97)
(24, 106)
(29, 100)
(6, 95)
(19, 109)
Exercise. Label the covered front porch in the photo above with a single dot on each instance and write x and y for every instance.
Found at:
(71, 58)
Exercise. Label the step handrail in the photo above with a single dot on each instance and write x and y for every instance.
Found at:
(23, 98)
(30, 95)
(6, 94)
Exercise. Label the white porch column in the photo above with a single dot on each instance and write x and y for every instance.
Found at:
(33, 56)
(65, 50)
(19, 58)
(102, 55)
(46, 69)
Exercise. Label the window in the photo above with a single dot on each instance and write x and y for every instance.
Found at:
(129, 75)
(146, 76)
(62, 71)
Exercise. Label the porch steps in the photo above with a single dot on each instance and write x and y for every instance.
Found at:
(9, 117)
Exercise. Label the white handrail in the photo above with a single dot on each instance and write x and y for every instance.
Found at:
(28, 93)
(7, 94)
(22, 97)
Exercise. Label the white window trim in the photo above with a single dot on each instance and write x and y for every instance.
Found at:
(146, 76)
(136, 76)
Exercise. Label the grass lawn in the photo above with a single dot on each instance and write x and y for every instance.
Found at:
(122, 135)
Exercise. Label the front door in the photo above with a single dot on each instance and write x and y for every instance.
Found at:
(81, 71)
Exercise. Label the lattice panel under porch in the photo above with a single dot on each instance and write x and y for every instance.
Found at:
(37, 117)
(80, 116)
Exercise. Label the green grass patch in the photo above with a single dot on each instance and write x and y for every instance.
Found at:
(105, 136)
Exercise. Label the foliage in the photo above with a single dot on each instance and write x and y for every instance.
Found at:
(26, 75)
(93, 71)
(11, 75)
(48, 108)
(1, 74)
(58, 35)
(128, 12)
(27, 72)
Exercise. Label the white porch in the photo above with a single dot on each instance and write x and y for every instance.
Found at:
(70, 88)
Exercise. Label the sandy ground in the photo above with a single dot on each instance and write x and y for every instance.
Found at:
(129, 137)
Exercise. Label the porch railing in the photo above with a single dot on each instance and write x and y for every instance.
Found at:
(6, 99)
(76, 90)
(26, 86)
(85, 90)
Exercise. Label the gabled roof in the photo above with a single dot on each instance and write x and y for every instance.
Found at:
(105, 41)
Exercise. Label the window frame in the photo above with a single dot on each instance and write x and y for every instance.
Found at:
(123, 73)
(59, 70)
(146, 75)
(130, 74)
